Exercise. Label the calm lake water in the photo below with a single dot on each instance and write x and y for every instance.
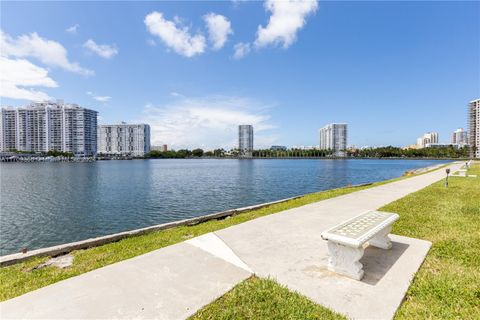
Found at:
(44, 204)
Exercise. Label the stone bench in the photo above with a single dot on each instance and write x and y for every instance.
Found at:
(346, 241)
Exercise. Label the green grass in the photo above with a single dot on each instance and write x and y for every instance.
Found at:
(446, 287)
(265, 299)
(448, 283)
(21, 278)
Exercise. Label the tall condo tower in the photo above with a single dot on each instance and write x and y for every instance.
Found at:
(334, 137)
(124, 139)
(48, 126)
(474, 121)
(245, 140)
(460, 137)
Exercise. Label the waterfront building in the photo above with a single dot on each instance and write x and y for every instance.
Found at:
(410, 146)
(278, 148)
(124, 139)
(163, 148)
(49, 126)
(429, 137)
(245, 140)
(460, 137)
(334, 137)
(474, 122)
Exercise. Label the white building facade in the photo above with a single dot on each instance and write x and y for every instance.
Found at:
(427, 138)
(460, 137)
(124, 139)
(49, 126)
(474, 122)
(334, 137)
(245, 140)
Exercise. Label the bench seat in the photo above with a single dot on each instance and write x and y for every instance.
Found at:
(346, 241)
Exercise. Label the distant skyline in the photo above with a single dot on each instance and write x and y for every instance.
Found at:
(194, 71)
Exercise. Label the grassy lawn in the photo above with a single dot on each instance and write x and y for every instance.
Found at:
(446, 287)
(20, 278)
(448, 284)
(263, 299)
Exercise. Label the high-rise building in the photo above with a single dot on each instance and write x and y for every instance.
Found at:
(334, 137)
(460, 137)
(245, 140)
(48, 126)
(474, 122)
(427, 138)
(124, 139)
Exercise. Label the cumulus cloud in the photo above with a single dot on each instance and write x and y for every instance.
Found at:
(18, 76)
(219, 28)
(175, 35)
(103, 50)
(46, 51)
(210, 122)
(287, 18)
(73, 29)
(241, 49)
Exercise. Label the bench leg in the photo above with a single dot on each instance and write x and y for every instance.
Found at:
(382, 240)
(345, 260)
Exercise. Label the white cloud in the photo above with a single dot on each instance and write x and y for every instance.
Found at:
(103, 50)
(176, 94)
(19, 75)
(48, 52)
(241, 49)
(208, 123)
(287, 18)
(175, 35)
(219, 28)
(73, 29)
(102, 98)
(99, 98)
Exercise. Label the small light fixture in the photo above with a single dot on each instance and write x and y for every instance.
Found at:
(446, 178)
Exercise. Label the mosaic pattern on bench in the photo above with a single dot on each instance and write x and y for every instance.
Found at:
(354, 229)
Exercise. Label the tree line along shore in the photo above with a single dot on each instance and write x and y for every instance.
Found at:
(381, 152)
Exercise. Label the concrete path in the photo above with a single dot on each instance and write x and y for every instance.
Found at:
(175, 282)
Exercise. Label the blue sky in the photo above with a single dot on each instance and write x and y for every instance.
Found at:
(391, 70)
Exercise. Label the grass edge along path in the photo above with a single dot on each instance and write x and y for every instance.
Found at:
(447, 285)
(24, 277)
(257, 298)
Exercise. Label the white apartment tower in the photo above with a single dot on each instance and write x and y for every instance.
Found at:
(427, 138)
(48, 126)
(124, 139)
(245, 140)
(460, 137)
(334, 137)
(474, 122)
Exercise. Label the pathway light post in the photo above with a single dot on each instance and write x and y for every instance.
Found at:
(446, 178)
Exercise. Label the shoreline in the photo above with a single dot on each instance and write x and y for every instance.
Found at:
(90, 160)
(60, 249)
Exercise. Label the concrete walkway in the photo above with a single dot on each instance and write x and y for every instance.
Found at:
(176, 281)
